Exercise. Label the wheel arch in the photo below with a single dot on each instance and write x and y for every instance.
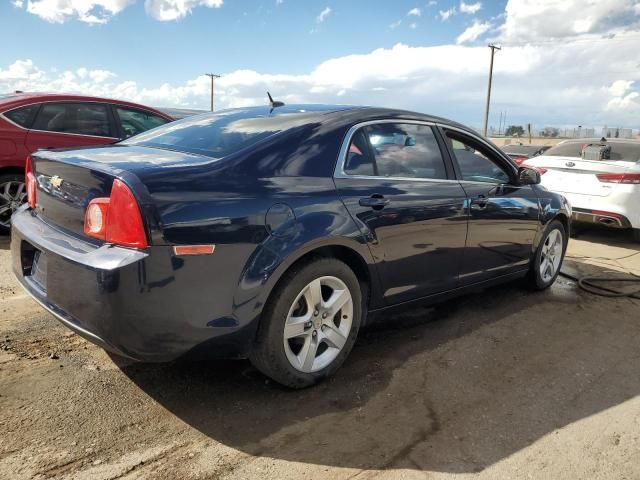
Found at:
(251, 299)
(12, 170)
(345, 254)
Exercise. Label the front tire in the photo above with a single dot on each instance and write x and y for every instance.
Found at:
(309, 324)
(549, 256)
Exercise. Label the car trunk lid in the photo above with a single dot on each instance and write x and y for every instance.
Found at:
(577, 175)
(67, 180)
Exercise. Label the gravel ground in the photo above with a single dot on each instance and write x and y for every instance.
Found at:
(501, 384)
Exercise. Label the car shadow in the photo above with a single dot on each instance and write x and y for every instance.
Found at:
(5, 242)
(452, 388)
(603, 235)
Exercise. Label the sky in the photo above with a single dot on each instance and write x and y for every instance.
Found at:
(562, 62)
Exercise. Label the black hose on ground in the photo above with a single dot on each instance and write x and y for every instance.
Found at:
(594, 283)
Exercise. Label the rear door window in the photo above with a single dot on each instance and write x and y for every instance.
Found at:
(134, 121)
(75, 118)
(22, 116)
(397, 150)
(359, 160)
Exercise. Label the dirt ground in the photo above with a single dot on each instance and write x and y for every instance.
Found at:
(501, 384)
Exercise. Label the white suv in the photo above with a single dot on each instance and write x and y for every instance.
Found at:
(599, 177)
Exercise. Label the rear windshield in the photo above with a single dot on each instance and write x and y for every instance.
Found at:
(217, 135)
(629, 152)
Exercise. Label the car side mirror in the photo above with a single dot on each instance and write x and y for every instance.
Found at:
(528, 176)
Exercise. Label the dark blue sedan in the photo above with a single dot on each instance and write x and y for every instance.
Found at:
(275, 234)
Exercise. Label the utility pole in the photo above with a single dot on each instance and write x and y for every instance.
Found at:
(486, 112)
(213, 77)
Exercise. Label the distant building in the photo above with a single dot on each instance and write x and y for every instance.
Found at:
(626, 133)
(588, 132)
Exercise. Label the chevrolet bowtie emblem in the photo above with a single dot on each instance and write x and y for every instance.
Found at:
(56, 181)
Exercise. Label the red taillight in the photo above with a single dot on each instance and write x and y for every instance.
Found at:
(95, 218)
(606, 214)
(628, 178)
(30, 181)
(116, 219)
(519, 159)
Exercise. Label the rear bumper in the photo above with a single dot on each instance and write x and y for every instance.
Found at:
(607, 219)
(145, 305)
(619, 208)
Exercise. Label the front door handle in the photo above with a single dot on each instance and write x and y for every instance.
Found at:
(479, 203)
(375, 201)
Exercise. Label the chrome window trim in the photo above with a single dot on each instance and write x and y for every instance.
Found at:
(104, 102)
(342, 155)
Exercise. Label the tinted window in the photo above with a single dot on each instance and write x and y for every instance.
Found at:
(221, 134)
(475, 163)
(400, 150)
(628, 151)
(359, 161)
(23, 116)
(134, 121)
(82, 118)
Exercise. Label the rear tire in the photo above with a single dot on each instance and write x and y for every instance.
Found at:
(548, 258)
(309, 324)
(13, 193)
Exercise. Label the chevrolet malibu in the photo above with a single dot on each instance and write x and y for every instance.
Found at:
(276, 233)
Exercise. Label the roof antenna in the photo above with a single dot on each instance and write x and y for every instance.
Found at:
(274, 103)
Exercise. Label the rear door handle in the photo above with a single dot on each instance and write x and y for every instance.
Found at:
(375, 201)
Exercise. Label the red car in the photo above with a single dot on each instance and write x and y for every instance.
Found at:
(32, 121)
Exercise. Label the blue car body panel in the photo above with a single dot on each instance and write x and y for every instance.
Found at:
(263, 207)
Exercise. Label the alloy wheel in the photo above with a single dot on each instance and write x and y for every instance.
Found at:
(12, 195)
(318, 324)
(551, 255)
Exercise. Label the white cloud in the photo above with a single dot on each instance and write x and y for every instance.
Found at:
(545, 20)
(167, 10)
(470, 8)
(17, 3)
(279, 2)
(21, 70)
(432, 3)
(587, 78)
(88, 11)
(323, 15)
(100, 76)
(395, 24)
(620, 87)
(561, 83)
(475, 30)
(413, 26)
(415, 12)
(445, 14)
